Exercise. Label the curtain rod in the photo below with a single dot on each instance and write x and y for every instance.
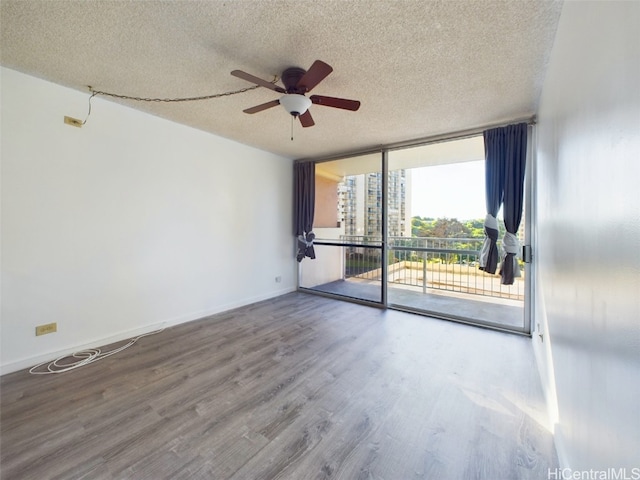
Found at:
(420, 142)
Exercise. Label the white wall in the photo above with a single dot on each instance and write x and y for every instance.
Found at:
(330, 264)
(588, 232)
(128, 223)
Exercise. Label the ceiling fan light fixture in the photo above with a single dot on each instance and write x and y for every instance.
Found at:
(295, 104)
(297, 82)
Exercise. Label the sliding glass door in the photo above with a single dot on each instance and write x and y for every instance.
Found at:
(404, 228)
(348, 226)
(433, 268)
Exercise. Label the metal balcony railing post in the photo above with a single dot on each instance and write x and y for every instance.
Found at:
(424, 272)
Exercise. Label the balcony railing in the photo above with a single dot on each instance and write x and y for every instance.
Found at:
(449, 264)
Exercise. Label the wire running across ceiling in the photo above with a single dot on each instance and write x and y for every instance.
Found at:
(419, 68)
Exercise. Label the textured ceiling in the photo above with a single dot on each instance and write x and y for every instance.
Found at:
(420, 68)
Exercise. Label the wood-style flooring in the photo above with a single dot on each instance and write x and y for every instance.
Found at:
(296, 387)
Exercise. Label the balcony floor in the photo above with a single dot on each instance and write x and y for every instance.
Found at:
(496, 312)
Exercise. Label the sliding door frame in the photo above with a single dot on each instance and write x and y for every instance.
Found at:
(385, 227)
(529, 231)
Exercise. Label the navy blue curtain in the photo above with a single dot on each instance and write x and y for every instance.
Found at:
(494, 188)
(505, 156)
(304, 192)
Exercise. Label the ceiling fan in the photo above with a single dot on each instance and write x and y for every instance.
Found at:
(297, 82)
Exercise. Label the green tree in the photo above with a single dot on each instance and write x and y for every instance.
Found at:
(475, 227)
(441, 227)
(420, 227)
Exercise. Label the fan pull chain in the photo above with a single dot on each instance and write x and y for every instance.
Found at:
(292, 118)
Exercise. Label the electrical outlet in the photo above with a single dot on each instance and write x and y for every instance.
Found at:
(48, 328)
(72, 121)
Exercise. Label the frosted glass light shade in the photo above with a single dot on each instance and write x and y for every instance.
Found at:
(295, 104)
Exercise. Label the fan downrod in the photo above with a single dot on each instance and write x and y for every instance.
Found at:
(290, 78)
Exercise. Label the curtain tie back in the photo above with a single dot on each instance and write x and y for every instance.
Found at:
(511, 243)
(305, 246)
(510, 267)
(489, 252)
(491, 222)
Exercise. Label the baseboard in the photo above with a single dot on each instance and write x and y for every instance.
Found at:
(97, 342)
(125, 335)
(226, 307)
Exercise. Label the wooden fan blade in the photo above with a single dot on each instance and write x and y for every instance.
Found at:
(316, 73)
(264, 106)
(258, 81)
(306, 119)
(343, 103)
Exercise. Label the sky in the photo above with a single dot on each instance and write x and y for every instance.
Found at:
(453, 191)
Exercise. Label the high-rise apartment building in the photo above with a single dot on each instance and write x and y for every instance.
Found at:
(360, 204)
